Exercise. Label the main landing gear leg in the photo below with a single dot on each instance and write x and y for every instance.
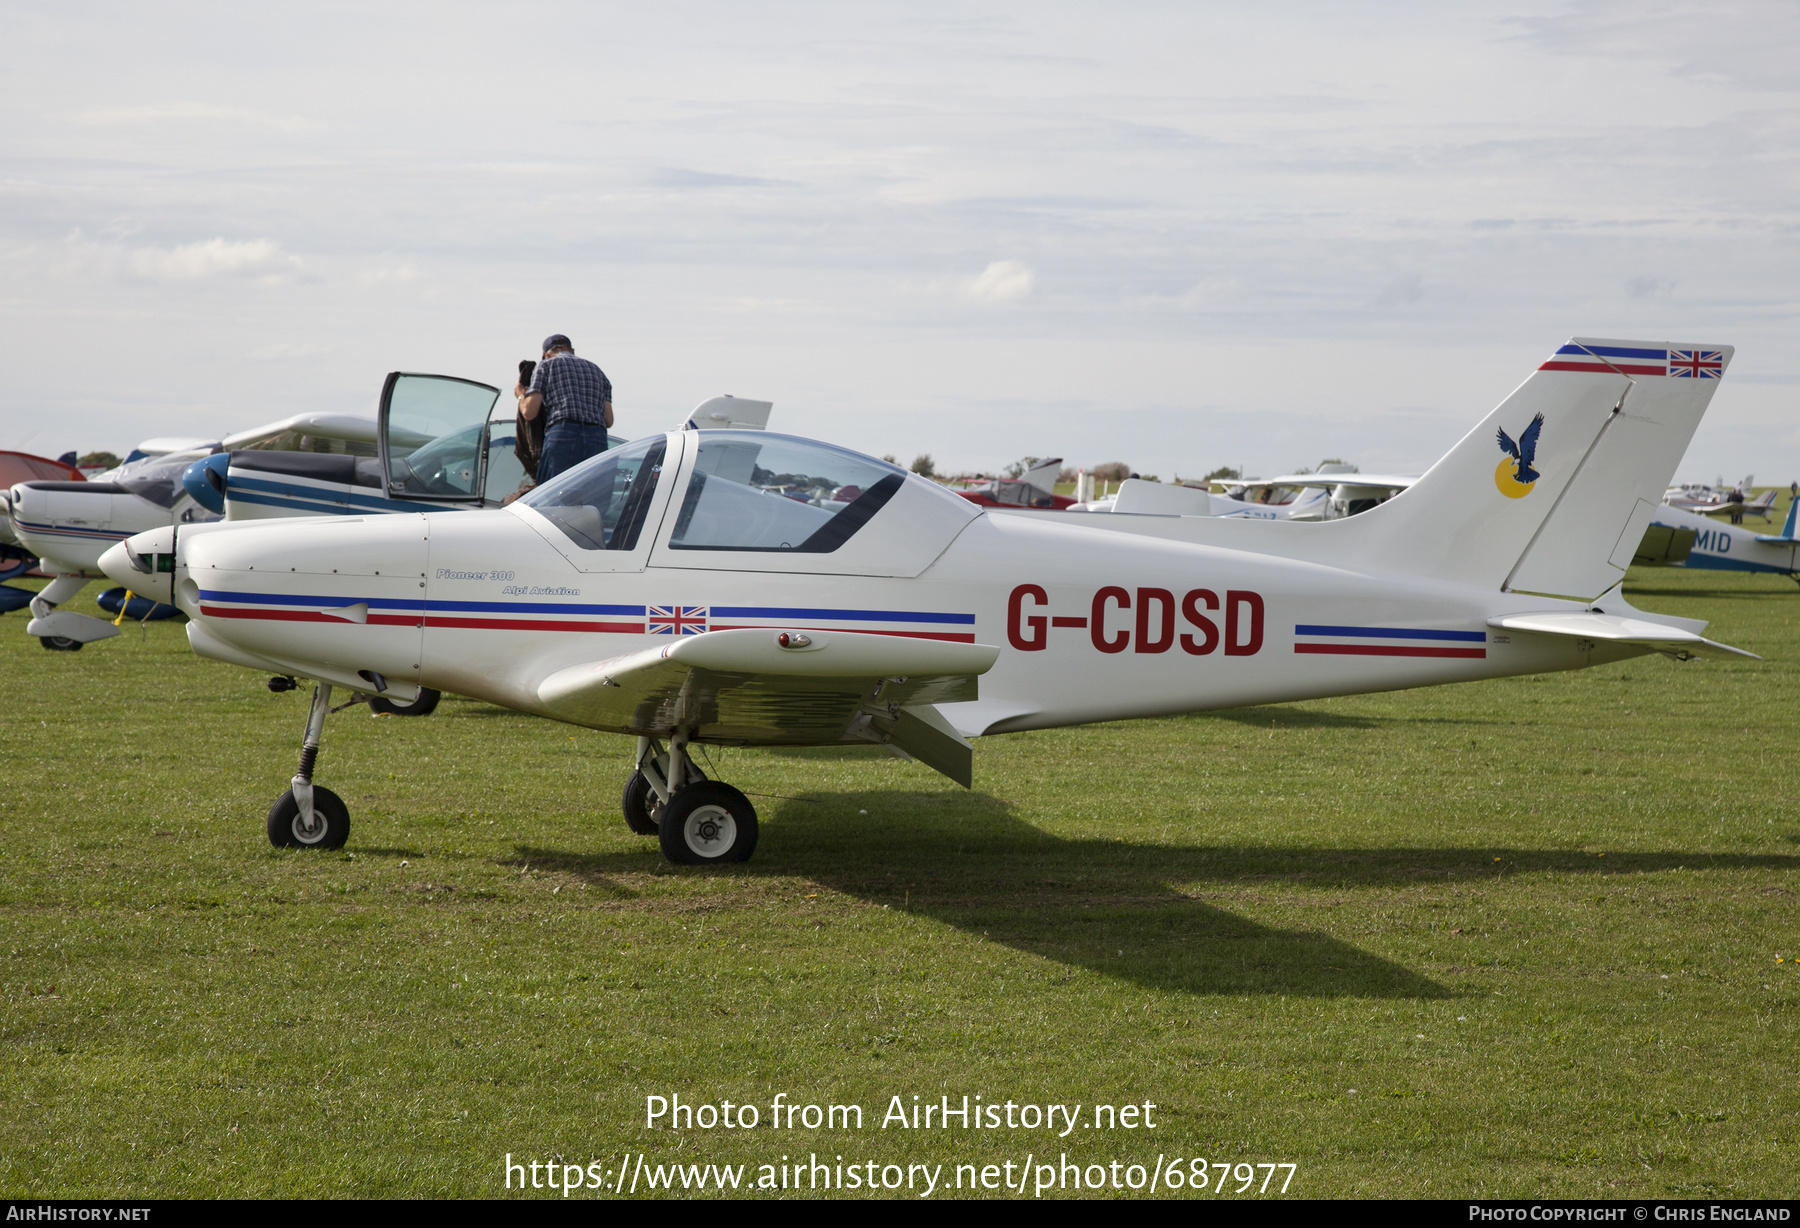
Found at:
(307, 815)
(696, 820)
(64, 630)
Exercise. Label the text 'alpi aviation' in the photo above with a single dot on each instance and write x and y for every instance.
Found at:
(748, 589)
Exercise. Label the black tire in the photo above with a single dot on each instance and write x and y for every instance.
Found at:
(59, 643)
(640, 805)
(424, 705)
(707, 823)
(284, 821)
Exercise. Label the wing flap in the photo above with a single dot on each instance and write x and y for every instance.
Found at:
(744, 686)
(1617, 629)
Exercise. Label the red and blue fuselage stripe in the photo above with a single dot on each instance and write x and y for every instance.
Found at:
(531, 615)
(1430, 649)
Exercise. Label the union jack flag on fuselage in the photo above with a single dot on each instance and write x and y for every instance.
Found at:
(676, 620)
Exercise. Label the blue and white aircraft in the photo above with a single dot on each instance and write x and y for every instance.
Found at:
(68, 525)
(1678, 538)
(439, 447)
(685, 590)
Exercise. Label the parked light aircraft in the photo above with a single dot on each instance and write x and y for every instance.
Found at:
(1291, 496)
(24, 467)
(671, 590)
(1034, 489)
(1678, 538)
(1718, 499)
(439, 447)
(68, 524)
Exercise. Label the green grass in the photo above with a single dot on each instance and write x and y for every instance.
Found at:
(1534, 924)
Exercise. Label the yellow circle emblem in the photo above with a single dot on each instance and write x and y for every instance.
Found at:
(1505, 477)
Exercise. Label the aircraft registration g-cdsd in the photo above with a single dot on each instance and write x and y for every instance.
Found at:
(741, 588)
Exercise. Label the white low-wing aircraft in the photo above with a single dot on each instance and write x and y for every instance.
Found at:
(685, 590)
(1291, 496)
(69, 524)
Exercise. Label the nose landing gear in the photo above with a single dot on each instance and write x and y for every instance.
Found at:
(308, 815)
(697, 821)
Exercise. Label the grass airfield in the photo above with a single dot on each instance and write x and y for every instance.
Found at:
(1527, 938)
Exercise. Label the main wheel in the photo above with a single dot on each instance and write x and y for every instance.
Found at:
(331, 822)
(59, 643)
(706, 823)
(641, 805)
(424, 705)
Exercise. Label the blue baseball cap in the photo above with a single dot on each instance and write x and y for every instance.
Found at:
(556, 339)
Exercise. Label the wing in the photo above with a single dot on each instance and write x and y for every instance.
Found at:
(1528, 440)
(1506, 444)
(1616, 629)
(742, 687)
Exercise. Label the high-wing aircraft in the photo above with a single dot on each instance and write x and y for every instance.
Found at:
(439, 447)
(1678, 538)
(677, 590)
(68, 524)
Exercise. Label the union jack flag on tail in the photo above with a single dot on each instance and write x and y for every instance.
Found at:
(1696, 364)
(677, 619)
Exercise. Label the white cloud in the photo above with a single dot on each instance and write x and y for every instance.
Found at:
(388, 274)
(1001, 282)
(213, 258)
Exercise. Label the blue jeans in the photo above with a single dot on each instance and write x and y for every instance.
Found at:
(566, 445)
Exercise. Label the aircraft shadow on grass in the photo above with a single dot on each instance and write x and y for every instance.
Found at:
(1124, 910)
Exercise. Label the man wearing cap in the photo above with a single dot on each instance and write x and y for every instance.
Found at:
(575, 398)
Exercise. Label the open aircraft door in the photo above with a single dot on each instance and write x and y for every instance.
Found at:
(433, 437)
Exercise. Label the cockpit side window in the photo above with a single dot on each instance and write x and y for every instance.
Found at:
(755, 491)
(603, 503)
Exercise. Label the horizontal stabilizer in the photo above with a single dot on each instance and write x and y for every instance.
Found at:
(1617, 629)
(1161, 499)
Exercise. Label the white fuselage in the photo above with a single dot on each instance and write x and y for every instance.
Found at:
(1093, 624)
(69, 525)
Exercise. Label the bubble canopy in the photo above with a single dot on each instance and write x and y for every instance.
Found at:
(750, 490)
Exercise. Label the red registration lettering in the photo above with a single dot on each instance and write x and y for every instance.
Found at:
(1097, 619)
(1243, 633)
(1016, 626)
(1209, 630)
(1164, 601)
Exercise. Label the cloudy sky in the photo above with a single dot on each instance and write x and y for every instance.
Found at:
(1178, 235)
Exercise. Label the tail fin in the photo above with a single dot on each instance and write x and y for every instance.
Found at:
(1787, 531)
(1552, 492)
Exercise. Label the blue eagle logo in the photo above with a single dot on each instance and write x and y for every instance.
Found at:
(1523, 452)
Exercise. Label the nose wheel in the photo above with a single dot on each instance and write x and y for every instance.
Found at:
(310, 816)
(697, 821)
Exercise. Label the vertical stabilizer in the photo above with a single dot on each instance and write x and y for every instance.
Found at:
(1552, 492)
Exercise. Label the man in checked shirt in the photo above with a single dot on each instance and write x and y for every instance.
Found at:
(575, 398)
